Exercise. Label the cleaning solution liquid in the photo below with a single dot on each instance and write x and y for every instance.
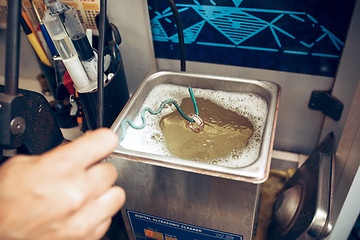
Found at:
(234, 124)
(224, 131)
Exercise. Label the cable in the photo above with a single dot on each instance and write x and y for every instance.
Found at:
(182, 68)
(126, 120)
(194, 103)
(12, 47)
(100, 89)
(180, 35)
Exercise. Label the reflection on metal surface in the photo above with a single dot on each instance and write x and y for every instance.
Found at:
(287, 205)
(308, 215)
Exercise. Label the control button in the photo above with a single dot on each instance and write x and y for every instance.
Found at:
(153, 234)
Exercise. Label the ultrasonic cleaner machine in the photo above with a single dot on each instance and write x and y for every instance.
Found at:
(172, 198)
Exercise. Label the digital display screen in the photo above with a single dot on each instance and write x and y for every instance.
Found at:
(153, 234)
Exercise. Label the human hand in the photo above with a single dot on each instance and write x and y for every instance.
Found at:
(66, 193)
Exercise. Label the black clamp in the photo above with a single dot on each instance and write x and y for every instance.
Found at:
(328, 104)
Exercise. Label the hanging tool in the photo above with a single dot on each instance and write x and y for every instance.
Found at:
(67, 51)
(80, 41)
(45, 33)
(34, 42)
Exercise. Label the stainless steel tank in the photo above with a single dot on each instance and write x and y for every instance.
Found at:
(170, 198)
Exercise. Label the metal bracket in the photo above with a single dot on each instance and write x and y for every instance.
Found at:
(328, 104)
(12, 120)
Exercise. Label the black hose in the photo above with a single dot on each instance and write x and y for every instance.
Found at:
(180, 35)
(12, 47)
(101, 46)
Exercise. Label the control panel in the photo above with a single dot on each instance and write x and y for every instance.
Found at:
(145, 226)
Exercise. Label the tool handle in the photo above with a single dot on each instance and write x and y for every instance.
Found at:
(38, 49)
(48, 40)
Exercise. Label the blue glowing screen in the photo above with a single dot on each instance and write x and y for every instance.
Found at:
(302, 36)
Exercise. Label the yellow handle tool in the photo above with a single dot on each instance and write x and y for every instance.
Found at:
(34, 42)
